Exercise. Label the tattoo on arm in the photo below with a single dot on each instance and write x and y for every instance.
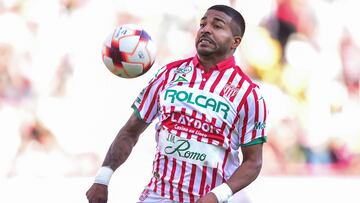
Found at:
(119, 151)
(123, 143)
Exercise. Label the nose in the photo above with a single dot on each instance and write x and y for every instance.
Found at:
(205, 29)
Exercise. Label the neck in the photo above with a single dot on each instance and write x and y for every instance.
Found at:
(210, 61)
(207, 64)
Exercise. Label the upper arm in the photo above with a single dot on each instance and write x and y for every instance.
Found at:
(146, 104)
(133, 127)
(252, 153)
(254, 115)
(124, 141)
(135, 124)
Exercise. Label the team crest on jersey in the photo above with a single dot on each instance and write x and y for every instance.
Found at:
(230, 91)
(183, 69)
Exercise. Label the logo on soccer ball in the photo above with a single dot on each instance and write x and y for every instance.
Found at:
(128, 51)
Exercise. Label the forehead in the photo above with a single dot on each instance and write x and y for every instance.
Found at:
(216, 16)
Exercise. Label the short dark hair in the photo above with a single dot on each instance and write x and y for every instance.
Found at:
(235, 16)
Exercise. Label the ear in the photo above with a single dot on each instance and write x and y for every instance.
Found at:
(236, 42)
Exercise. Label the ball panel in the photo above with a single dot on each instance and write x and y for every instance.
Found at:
(151, 50)
(133, 69)
(128, 44)
(116, 55)
(121, 73)
(108, 40)
(108, 63)
(106, 51)
(144, 36)
(140, 55)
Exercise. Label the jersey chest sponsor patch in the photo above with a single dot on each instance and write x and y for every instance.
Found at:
(196, 99)
(191, 151)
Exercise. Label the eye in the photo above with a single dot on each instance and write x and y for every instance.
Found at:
(216, 26)
(202, 25)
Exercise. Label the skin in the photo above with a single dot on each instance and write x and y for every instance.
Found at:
(214, 43)
(117, 154)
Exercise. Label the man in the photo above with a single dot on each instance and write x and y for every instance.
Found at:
(208, 109)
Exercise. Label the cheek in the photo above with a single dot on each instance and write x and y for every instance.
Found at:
(225, 41)
(224, 38)
(197, 36)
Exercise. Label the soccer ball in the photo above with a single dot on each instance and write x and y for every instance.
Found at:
(128, 51)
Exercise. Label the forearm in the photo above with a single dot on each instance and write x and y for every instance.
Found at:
(124, 142)
(119, 151)
(244, 175)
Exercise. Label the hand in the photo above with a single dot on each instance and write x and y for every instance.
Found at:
(208, 198)
(97, 193)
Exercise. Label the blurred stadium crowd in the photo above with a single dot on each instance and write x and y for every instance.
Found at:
(56, 103)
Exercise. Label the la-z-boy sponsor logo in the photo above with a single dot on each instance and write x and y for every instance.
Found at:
(194, 124)
(199, 100)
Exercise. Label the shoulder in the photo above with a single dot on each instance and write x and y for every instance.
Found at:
(177, 63)
(246, 77)
(165, 71)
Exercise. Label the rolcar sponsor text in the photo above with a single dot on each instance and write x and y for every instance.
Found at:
(199, 100)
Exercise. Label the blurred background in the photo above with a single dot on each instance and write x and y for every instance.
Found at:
(60, 108)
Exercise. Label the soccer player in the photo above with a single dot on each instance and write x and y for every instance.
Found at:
(208, 112)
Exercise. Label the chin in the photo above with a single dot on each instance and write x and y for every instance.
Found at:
(204, 52)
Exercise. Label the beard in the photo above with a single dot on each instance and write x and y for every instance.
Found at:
(211, 50)
(205, 49)
(204, 52)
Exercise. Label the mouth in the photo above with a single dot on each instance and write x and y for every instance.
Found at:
(205, 41)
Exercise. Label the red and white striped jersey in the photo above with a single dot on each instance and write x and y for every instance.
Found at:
(203, 120)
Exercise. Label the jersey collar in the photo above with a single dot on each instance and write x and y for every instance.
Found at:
(222, 65)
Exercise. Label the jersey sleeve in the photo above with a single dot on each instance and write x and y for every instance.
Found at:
(253, 119)
(146, 104)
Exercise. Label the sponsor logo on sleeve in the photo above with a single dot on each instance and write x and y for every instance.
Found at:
(260, 125)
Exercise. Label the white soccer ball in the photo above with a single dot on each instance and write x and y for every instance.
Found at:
(128, 51)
